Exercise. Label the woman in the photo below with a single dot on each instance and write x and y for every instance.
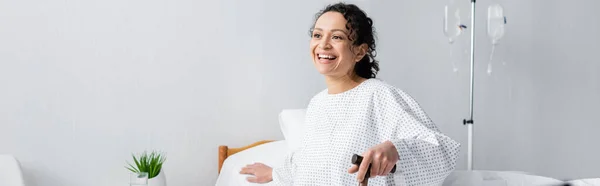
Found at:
(359, 114)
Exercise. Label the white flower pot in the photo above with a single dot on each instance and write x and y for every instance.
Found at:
(159, 180)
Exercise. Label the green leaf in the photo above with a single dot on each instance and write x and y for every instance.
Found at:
(150, 163)
(137, 163)
(132, 169)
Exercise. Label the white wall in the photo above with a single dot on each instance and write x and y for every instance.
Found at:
(86, 83)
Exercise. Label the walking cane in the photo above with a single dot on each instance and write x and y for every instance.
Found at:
(356, 160)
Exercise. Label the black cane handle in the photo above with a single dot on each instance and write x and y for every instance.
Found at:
(357, 159)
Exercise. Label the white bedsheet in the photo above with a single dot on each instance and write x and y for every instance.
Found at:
(270, 154)
(498, 178)
(585, 182)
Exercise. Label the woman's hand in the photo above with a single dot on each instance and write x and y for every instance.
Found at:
(382, 158)
(262, 173)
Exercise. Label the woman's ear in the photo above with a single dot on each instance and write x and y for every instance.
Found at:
(360, 51)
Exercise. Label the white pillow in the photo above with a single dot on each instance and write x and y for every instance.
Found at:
(291, 122)
(270, 154)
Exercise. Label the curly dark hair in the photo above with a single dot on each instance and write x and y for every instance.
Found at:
(361, 32)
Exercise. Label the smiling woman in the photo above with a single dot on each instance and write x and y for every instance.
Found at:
(359, 114)
(340, 32)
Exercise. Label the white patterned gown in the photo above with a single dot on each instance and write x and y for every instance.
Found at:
(340, 125)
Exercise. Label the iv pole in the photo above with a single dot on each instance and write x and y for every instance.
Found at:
(469, 122)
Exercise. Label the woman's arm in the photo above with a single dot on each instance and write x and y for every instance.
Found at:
(425, 158)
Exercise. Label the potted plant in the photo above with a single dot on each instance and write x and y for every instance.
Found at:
(150, 163)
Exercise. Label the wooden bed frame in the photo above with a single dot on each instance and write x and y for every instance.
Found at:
(226, 151)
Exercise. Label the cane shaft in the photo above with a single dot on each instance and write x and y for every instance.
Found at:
(365, 182)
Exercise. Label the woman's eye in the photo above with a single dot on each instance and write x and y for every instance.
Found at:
(337, 37)
(316, 35)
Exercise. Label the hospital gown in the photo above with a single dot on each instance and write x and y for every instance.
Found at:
(340, 125)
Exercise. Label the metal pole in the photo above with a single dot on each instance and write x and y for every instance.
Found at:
(469, 123)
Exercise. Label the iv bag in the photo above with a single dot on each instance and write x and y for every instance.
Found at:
(453, 27)
(452, 24)
(495, 29)
(496, 22)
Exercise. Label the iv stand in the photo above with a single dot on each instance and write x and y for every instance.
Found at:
(469, 122)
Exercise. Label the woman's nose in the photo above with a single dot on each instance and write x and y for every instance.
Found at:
(324, 44)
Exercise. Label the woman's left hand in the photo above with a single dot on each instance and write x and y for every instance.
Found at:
(383, 157)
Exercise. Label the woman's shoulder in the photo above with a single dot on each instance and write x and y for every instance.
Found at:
(319, 96)
(385, 91)
(379, 86)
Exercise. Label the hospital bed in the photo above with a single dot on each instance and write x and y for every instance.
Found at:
(271, 152)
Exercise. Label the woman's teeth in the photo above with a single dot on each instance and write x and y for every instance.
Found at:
(321, 56)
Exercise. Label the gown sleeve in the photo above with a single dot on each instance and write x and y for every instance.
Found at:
(284, 174)
(427, 156)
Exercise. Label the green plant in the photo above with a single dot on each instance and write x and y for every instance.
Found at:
(150, 163)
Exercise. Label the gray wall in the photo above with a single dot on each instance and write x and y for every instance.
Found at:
(539, 112)
(87, 83)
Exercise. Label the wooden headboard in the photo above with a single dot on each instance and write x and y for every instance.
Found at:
(225, 151)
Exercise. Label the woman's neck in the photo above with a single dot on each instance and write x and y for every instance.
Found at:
(336, 85)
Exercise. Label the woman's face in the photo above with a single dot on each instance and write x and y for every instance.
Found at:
(331, 49)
